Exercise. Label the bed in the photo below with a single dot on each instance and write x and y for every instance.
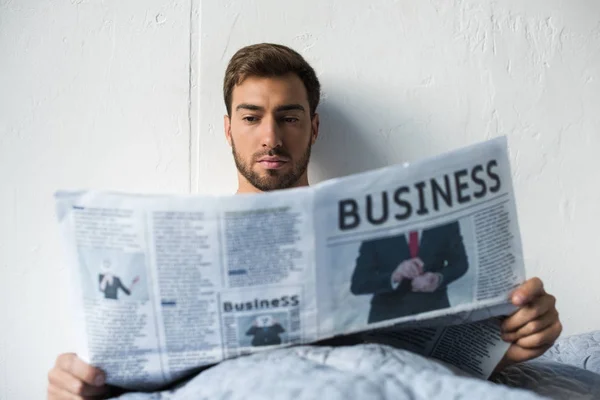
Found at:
(569, 370)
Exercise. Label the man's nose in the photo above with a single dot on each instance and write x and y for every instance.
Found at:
(271, 135)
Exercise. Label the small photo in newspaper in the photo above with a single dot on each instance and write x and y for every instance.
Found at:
(403, 273)
(256, 319)
(259, 330)
(112, 275)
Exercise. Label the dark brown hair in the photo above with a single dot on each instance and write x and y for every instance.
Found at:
(270, 60)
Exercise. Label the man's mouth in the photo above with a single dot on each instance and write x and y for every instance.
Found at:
(272, 162)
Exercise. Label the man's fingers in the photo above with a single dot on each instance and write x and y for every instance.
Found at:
(411, 270)
(72, 364)
(417, 284)
(61, 379)
(543, 338)
(417, 269)
(424, 283)
(432, 278)
(532, 327)
(55, 393)
(420, 264)
(67, 382)
(528, 313)
(528, 291)
(431, 282)
(518, 353)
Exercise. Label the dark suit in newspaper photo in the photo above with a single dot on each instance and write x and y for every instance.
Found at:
(409, 273)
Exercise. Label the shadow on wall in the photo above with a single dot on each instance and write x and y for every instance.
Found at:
(360, 133)
(343, 148)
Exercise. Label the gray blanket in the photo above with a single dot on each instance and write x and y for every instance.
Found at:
(570, 370)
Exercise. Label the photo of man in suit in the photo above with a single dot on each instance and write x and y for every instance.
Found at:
(409, 273)
(110, 284)
(265, 331)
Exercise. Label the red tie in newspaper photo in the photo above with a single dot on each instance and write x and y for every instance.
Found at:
(413, 243)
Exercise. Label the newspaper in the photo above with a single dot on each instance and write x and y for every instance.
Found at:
(410, 255)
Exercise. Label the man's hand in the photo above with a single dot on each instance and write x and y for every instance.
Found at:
(428, 282)
(533, 328)
(408, 269)
(133, 282)
(73, 379)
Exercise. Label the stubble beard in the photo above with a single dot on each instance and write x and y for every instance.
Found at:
(275, 179)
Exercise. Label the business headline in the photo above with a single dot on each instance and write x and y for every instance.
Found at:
(458, 188)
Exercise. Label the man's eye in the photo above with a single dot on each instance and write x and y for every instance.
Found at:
(290, 120)
(250, 118)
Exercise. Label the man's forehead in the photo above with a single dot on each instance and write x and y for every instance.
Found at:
(270, 93)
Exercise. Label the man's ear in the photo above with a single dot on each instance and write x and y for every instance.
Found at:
(227, 128)
(315, 128)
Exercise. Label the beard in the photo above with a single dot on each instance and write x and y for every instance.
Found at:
(274, 179)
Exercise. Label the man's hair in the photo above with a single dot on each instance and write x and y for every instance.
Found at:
(266, 60)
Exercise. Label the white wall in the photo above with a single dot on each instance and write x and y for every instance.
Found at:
(96, 94)
(92, 94)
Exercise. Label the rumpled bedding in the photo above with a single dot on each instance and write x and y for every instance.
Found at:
(569, 370)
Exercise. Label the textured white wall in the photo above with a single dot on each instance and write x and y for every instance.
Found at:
(92, 94)
(97, 94)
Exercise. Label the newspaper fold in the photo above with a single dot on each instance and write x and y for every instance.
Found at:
(411, 255)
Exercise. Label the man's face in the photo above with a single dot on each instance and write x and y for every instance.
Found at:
(271, 132)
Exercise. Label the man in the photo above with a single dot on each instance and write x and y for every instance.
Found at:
(408, 274)
(109, 284)
(265, 331)
(271, 95)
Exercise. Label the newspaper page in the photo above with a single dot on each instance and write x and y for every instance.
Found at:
(435, 241)
(164, 285)
(146, 272)
(268, 296)
(474, 348)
